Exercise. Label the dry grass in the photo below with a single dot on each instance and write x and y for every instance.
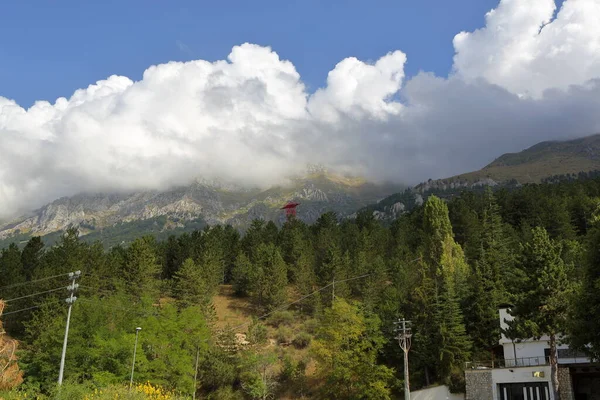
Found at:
(231, 310)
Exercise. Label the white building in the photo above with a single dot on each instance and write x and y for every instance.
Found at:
(524, 372)
(530, 352)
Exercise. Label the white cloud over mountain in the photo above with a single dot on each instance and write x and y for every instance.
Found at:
(524, 77)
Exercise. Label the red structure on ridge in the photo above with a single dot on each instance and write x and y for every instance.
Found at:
(290, 208)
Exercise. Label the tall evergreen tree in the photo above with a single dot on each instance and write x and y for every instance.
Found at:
(444, 286)
(585, 326)
(141, 268)
(454, 346)
(542, 308)
(191, 288)
(271, 284)
(31, 256)
(244, 275)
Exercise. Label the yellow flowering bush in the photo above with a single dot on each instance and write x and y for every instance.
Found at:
(70, 391)
(154, 392)
(143, 391)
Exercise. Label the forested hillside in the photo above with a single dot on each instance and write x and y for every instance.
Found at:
(316, 304)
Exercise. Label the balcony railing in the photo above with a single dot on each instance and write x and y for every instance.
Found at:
(568, 358)
(508, 363)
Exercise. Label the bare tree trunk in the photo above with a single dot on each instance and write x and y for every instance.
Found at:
(554, 367)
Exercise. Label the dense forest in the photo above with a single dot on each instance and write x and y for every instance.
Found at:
(320, 300)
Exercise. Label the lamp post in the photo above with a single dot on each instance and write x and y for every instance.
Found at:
(137, 331)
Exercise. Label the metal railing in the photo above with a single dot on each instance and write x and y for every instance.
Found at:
(508, 363)
(568, 358)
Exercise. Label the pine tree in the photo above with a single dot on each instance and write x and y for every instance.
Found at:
(421, 307)
(436, 227)
(191, 287)
(141, 268)
(244, 275)
(586, 324)
(374, 284)
(306, 282)
(454, 346)
(31, 256)
(444, 275)
(270, 290)
(253, 238)
(546, 289)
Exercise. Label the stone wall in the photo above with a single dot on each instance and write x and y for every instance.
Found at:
(479, 385)
(565, 384)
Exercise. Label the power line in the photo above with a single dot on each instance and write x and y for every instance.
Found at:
(35, 294)
(143, 313)
(315, 292)
(34, 281)
(133, 311)
(29, 308)
(17, 311)
(109, 291)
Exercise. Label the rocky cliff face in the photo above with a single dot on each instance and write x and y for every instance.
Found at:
(319, 192)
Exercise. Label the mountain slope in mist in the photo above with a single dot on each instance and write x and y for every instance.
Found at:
(317, 192)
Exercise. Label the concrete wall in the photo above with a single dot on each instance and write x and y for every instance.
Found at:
(436, 393)
(479, 384)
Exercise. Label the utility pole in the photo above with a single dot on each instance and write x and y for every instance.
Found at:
(196, 373)
(137, 331)
(333, 291)
(71, 288)
(404, 340)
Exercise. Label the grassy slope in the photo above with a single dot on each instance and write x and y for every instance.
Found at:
(541, 161)
(237, 312)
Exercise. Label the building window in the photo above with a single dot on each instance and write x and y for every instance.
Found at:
(524, 391)
(568, 353)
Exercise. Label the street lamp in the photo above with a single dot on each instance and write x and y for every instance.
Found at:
(137, 331)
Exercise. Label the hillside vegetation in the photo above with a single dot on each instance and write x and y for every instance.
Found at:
(308, 311)
(541, 161)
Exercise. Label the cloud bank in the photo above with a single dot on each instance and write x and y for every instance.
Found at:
(531, 73)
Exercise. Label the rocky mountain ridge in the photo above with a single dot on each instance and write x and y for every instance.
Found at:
(317, 192)
(544, 162)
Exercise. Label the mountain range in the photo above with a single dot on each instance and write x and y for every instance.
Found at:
(119, 217)
(126, 215)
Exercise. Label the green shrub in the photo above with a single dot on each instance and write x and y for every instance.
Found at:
(311, 325)
(302, 340)
(281, 318)
(284, 334)
(226, 393)
(257, 332)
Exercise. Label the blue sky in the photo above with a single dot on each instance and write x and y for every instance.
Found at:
(50, 49)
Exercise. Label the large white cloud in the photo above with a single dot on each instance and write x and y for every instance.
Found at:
(523, 49)
(250, 120)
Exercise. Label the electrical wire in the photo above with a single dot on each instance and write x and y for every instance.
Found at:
(36, 294)
(29, 308)
(263, 316)
(34, 281)
(283, 307)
